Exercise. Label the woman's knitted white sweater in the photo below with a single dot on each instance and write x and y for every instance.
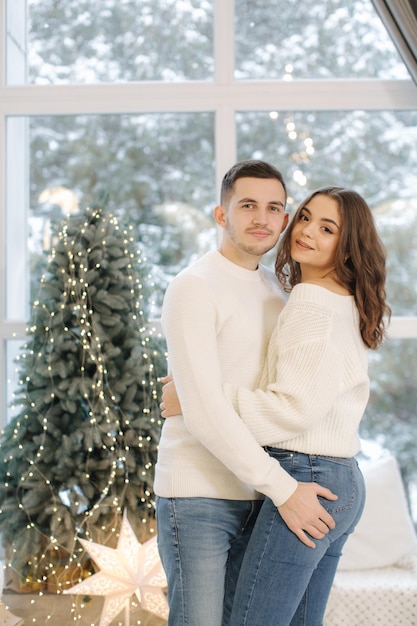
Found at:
(315, 379)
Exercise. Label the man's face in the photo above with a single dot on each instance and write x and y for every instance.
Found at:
(252, 220)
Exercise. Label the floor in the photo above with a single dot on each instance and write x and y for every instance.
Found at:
(58, 610)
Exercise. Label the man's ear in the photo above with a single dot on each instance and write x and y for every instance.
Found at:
(285, 222)
(219, 215)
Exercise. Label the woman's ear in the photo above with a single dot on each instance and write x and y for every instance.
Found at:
(219, 215)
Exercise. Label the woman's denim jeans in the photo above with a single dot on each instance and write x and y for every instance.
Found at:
(201, 542)
(283, 582)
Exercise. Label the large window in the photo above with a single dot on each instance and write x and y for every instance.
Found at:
(150, 101)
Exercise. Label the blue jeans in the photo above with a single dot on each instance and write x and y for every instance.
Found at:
(282, 582)
(202, 542)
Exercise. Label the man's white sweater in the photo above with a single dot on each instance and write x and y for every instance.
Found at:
(217, 319)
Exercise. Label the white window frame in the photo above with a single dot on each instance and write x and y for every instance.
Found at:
(223, 96)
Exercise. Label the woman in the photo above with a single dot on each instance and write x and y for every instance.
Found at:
(315, 383)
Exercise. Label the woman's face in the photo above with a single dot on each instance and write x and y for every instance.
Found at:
(315, 237)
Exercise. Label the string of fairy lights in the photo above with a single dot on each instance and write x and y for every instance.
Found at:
(78, 295)
(300, 156)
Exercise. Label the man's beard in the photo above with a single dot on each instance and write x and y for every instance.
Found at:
(258, 249)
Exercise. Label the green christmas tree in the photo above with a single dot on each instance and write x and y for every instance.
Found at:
(83, 445)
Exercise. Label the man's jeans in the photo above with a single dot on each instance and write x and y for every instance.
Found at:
(202, 542)
(283, 582)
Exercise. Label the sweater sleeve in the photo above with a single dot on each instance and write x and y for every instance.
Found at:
(303, 376)
(190, 324)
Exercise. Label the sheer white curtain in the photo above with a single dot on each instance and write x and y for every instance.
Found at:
(400, 19)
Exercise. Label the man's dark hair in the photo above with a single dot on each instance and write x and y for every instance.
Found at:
(248, 169)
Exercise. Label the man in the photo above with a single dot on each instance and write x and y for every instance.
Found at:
(217, 317)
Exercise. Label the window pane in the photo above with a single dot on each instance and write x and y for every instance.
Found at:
(145, 164)
(374, 152)
(390, 418)
(80, 41)
(16, 241)
(310, 39)
(13, 350)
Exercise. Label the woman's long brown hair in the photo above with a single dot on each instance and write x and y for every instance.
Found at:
(360, 261)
